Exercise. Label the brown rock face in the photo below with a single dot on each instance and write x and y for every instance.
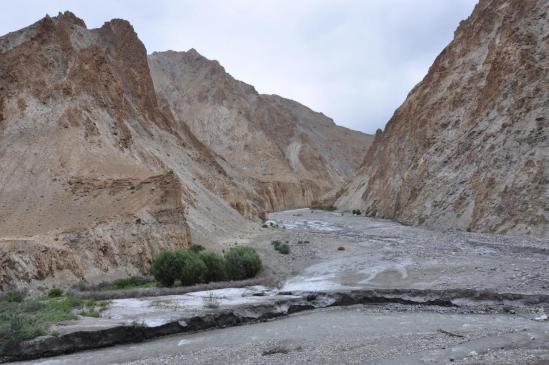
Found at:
(97, 175)
(287, 154)
(468, 149)
(94, 180)
(80, 196)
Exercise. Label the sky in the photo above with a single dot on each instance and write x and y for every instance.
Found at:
(353, 60)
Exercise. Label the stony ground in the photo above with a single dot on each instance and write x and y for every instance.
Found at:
(376, 254)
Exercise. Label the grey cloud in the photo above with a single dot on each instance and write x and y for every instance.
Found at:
(354, 60)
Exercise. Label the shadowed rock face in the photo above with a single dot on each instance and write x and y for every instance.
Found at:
(288, 154)
(467, 148)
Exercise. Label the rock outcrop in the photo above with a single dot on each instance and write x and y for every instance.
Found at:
(94, 178)
(469, 147)
(98, 173)
(286, 153)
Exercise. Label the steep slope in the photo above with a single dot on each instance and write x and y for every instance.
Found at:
(284, 152)
(94, 177)
(469, 147)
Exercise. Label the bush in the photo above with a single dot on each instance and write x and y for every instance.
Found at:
(215, 266)
(165, 268)
(341, 248)
(15, 328)
(15, 296)
(191, 268)
(197, 248)
(242, 262)
(357, 212)
(131, 282)
(281, 247)
(55, 292)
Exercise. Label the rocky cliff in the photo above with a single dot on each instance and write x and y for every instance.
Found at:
(288, 154)
(98, 173)
(469, 147)
(94, 177)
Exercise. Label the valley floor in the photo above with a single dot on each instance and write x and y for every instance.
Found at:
(330, 251)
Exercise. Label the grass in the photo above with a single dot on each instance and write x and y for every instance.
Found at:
(24, 318)
(211, 301)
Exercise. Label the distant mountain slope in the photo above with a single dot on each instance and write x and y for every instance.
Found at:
(469, 147)
(290, 153)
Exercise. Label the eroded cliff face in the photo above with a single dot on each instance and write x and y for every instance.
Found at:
(286, 154)
(98, 173)
(95, 179)
(469, 147)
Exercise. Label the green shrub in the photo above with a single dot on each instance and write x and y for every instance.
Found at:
(166, 268)
(215, 264)
(242, 262)
(197, 248)
(131, 282)
(55, 292)
(191, 268)
(15, 328)
(341, 248)
(357, 212)
(281, 247)
(15, 296)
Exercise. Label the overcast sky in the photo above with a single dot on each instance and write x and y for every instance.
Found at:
(353, 60)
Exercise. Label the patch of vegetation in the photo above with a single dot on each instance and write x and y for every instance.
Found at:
(302, 242)
(166, 267)
(215, 265)
(276, 350)
(357, 212)
(185, 267)
(55, 292)
(16, 296)
(282, 248)
(242, 262)
(26, 318)
(211, 301)
(330, 208)
(131, 282)
(341, 248)
(197, 248)
(191, 269)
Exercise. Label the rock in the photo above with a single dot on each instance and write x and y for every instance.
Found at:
(287, 154)
(467, 148)
(99, 172)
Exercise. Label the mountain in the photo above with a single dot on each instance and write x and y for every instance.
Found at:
(98, 173)
(468, 149)
(289, 154)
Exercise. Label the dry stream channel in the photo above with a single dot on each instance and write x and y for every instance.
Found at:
(353, 290)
